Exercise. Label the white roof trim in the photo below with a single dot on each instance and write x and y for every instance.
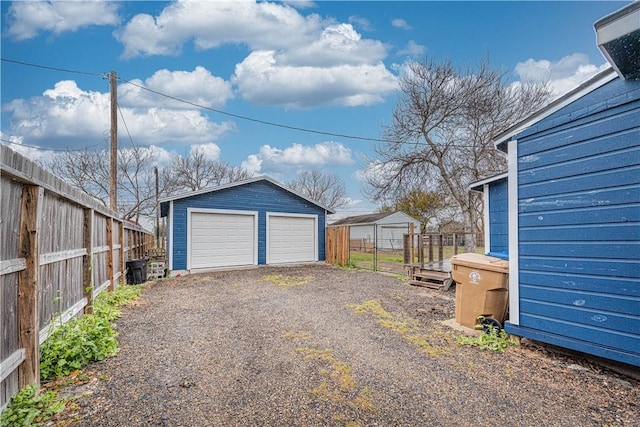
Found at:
(243, 182)
(489, 180)
(590, 85)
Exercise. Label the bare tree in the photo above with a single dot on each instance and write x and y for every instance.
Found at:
(441, 131)
(89, 171)
(196, 172)
(325, 188)
(425, 206)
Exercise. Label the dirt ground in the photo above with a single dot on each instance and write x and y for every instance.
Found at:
(321, 346)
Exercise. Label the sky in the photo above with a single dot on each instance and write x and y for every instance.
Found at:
(329, 67)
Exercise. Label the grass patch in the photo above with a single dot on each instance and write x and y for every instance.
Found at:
(287, 282)
(406, 328)
(493, 340)
(338, 385)
(297, 336)
(27, 409)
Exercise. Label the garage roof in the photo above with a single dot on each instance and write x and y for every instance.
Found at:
(164, 200)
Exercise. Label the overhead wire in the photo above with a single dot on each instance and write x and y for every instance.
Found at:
(125, 125)
(48, 149)
(222, 112)
(47, 67)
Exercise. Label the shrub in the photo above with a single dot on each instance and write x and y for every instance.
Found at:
(87, 339)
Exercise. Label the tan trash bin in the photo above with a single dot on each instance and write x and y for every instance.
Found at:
(481, 287)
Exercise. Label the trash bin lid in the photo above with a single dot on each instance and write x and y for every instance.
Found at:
(480, 261)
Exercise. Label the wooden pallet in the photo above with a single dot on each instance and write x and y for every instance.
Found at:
(430, 279)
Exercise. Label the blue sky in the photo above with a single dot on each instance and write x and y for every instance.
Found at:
(330, 66)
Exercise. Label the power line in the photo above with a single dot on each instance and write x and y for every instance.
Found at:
(125, 126)
(226, 113)
(46, 67)
(251, 119)
(48, 149)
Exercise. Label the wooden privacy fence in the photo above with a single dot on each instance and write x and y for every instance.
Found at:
(59, 248)
(337, 245)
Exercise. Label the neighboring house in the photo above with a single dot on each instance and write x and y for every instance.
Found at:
(574, 208)
(496, 214)
(378, 230)
(252, 222)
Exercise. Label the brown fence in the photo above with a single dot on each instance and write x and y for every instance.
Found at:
(59, 248)
(337, 245)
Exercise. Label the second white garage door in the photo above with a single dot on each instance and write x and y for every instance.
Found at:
(291, 239)
(222, 239)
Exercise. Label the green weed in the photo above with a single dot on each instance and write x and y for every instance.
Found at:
(493, 340)
(83, 340)
(27, 409)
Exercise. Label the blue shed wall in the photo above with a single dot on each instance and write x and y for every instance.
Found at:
(260, 196)
(499, 216)
(579, 225)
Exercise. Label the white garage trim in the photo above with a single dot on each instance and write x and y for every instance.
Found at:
(305, 250)
(254, 218)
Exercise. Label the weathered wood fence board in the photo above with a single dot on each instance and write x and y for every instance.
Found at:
(58, 249)
(337, 245)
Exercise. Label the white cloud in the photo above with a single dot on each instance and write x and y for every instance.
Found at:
(211, 24)
(401, 23)
(295, 61)
(27, 18)
(413, 49)
(300, 4)
(211, 150)
(198, 86)
(262, 79)
(272, 160)
(361, 22)
(67, 116)
(563, 75)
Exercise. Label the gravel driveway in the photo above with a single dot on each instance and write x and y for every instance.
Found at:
(320, 346)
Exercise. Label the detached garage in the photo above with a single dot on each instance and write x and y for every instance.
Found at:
(251, 222)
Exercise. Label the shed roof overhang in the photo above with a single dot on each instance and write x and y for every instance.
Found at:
(618, 37)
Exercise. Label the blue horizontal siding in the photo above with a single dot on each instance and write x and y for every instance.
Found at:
(258, 196)
(627, 195)
(589, 216)
(583, 182)
(578, 141)
(591, 250)
(579, 225)
(611, 352)
(594, 317)
(605, 267)
(589, 300)
(602, 233)
(499, 216)
(623, 341)
(615, 286)
(618, 159)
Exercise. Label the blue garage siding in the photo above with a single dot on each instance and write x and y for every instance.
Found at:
(579, 225)
(260, 196)
(499, 216)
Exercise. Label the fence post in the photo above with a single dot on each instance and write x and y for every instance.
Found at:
(122, 243)
(87, 260)
(28, 282)
(112, 284)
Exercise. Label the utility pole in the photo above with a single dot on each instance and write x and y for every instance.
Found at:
(157, 209)
(113, 167)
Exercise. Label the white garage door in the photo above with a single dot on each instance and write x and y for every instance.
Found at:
(222, 240)
(291, 239)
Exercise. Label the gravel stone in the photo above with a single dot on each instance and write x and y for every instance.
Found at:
(232, 348)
